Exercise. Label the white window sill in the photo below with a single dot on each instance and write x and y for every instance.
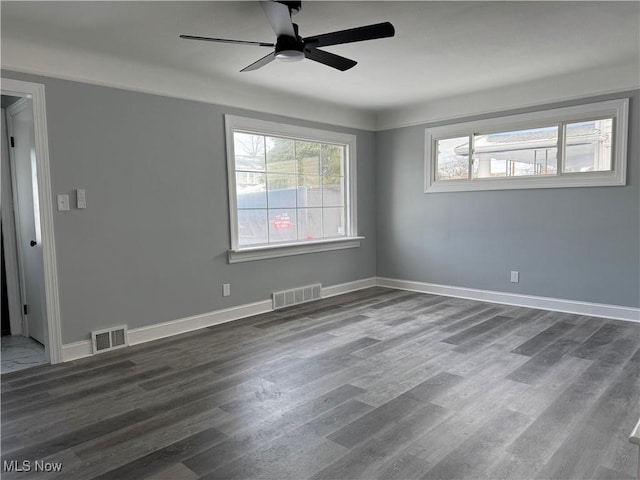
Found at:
(587, 179)
(284, 250)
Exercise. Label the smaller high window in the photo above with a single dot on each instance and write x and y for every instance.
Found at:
(566, 147)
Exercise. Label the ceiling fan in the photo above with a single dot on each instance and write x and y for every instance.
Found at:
(291, 47)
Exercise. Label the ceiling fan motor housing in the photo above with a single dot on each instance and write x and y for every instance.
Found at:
(290, 49)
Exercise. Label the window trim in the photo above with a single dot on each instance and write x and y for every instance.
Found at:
(617, 109)
(262, 127)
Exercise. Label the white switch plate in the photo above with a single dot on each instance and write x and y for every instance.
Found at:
(226, 290)
(515, 277)
(81, 198)
(63, 203)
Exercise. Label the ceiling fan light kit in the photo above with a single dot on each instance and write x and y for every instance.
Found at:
(291, 47)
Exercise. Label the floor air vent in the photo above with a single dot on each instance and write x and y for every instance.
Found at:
(286, 298)
(109, 339)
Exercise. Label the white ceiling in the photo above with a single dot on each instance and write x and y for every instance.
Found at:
(440, 50)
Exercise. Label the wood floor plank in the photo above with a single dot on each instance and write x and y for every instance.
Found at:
(542, 340)
(542, 362)
(451, 324)
(616, 406)
(472, 456)
(604, 473)
(163, 458)
(50, 446)
(310, 332)
(603, 337)
(542, 437)
(176, 471)
(291, 456)
(374, 421)
(376, 383)
(364, 461)
(473, 332)
(247, 436)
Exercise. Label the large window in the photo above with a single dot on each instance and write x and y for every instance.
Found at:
(292, 189)
(566, 147)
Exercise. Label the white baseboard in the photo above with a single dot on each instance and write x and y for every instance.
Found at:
(544, 303)
(76, 350)
(196, 322)
(73, 351)
(342, 288)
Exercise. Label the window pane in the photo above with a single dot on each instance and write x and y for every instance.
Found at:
(282, 225)
(251, 190)
(333, 191)
(309, 191)
(252, 227)
(452, 162)
(281, 155)
(333, 222)
(249, 151)
(333, 160)
(282, 190)
(290, 185)
(308, 158)
(530, 152)
(588, 146)
(309, 223)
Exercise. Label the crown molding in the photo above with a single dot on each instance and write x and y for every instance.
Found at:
(574, 86)
(76, 64)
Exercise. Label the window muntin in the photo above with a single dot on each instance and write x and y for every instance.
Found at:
(572, 146)
(289, 185)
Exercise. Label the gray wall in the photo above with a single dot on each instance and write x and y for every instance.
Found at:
(574, 243)
(152, 244)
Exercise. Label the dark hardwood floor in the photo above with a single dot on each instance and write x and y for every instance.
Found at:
(374, 384)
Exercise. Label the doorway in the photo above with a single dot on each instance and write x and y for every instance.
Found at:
(25, 346)
(27, 229)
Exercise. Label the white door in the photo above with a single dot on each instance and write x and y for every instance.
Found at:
(24, 173)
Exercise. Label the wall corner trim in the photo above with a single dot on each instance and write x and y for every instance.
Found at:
(614, 312)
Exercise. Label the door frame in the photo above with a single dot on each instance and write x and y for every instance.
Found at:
(53, 327)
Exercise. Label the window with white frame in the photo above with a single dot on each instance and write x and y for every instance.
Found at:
(292, 189)
(578, 146)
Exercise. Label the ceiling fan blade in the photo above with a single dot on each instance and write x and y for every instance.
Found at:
(279, 17)
(260, 63)
(330, 59)
(225, 40)
(359, 34)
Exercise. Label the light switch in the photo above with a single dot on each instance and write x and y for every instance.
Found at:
(63, 203)
(81, 198)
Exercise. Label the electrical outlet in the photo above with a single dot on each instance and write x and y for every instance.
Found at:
(515, 277)
(226, 290)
